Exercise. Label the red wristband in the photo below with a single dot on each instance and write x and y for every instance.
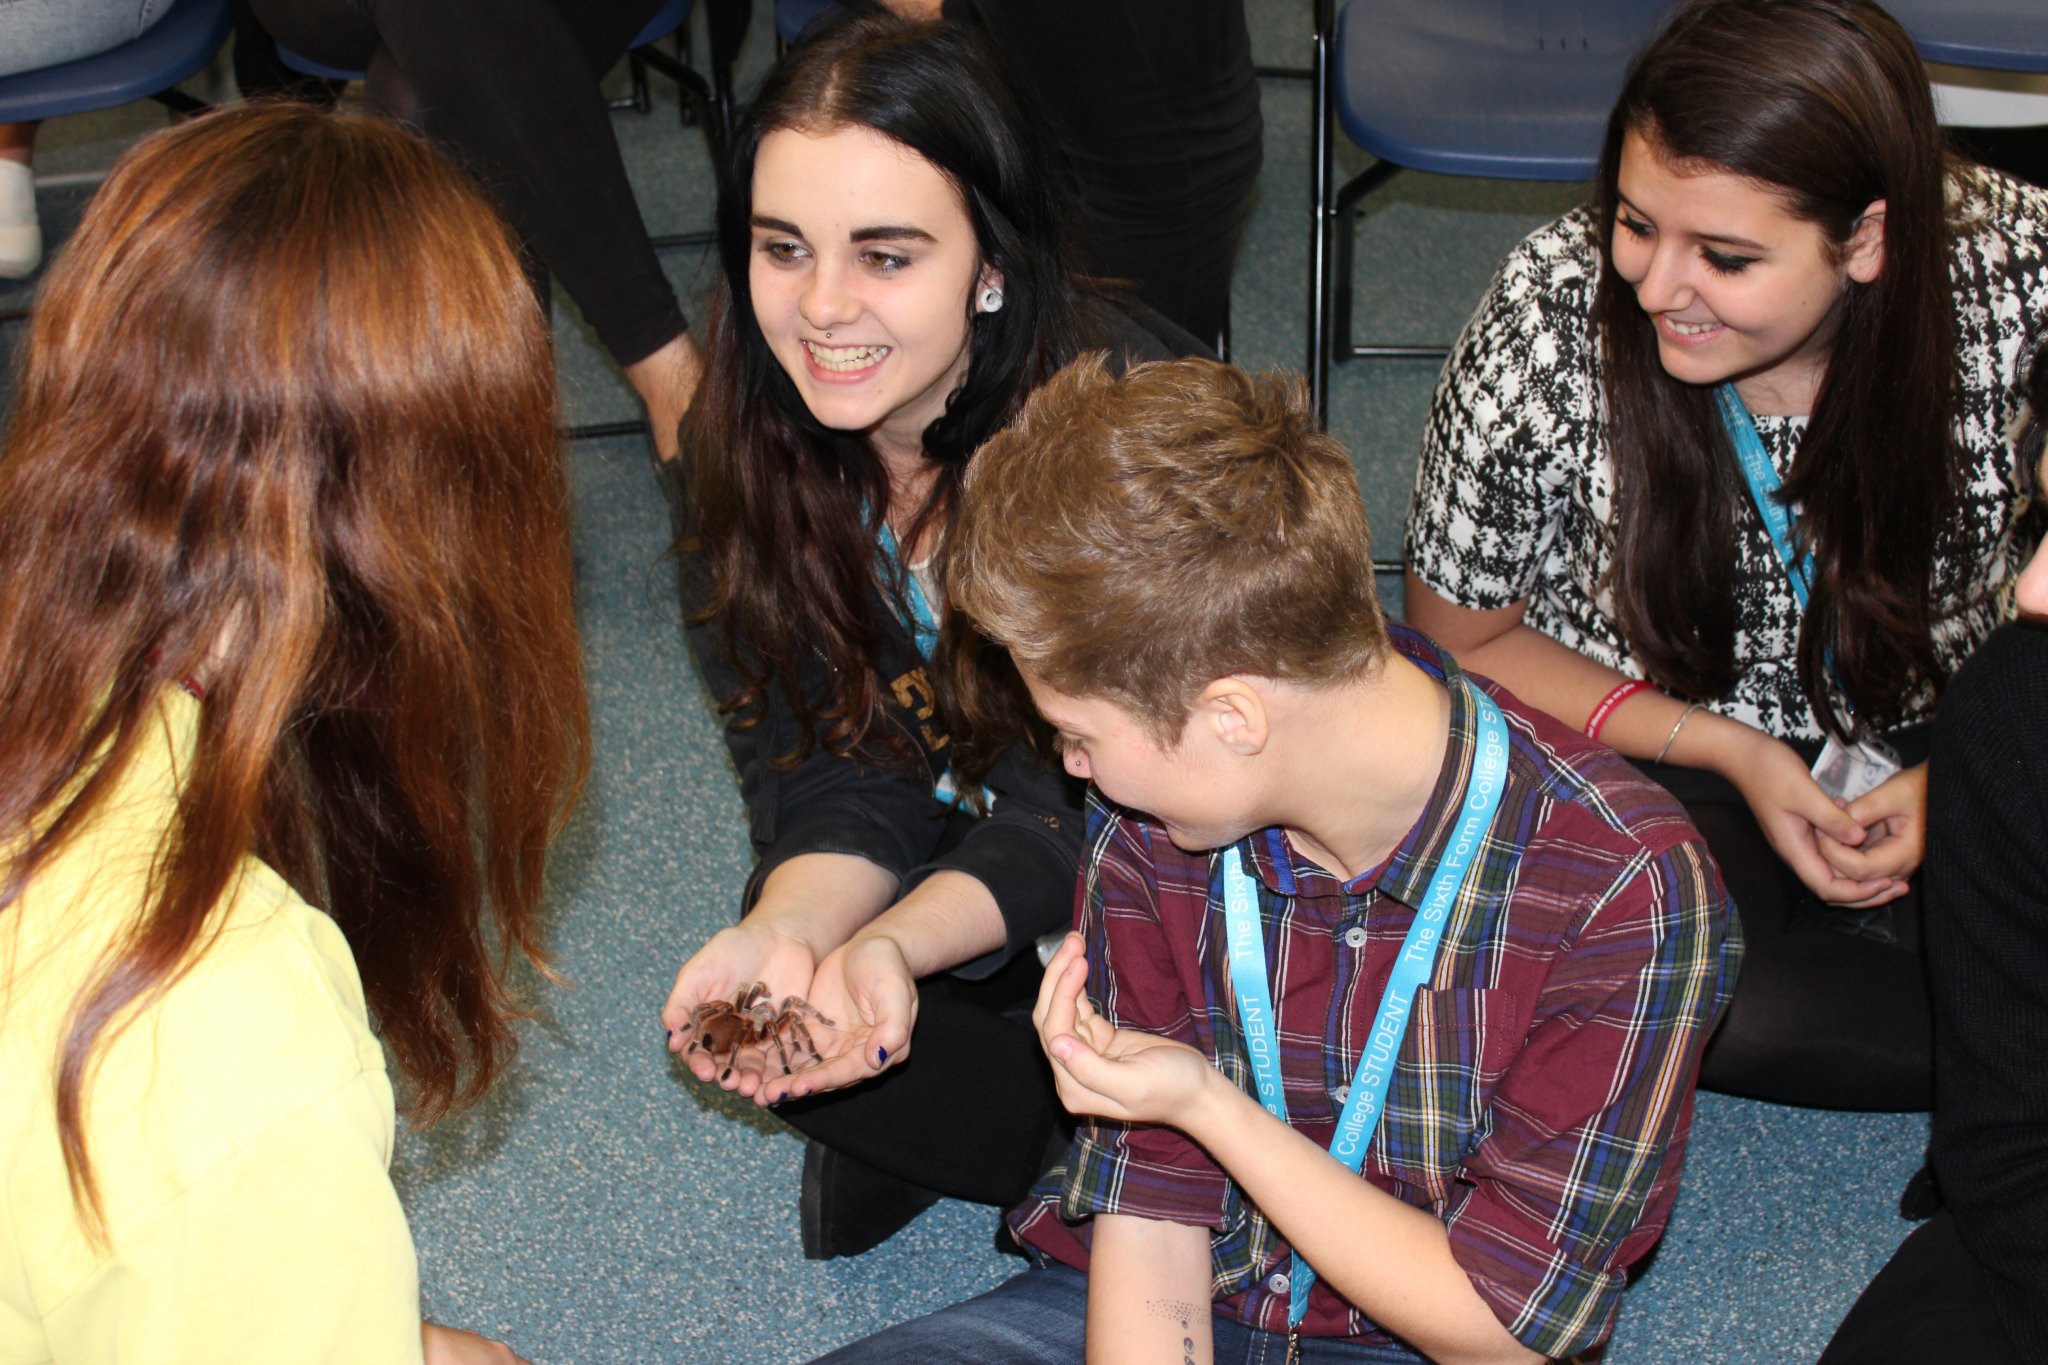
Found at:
(1609, 702)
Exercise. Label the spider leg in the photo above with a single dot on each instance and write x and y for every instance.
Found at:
(800, 1036)
(800, 1007)
(781, 1051)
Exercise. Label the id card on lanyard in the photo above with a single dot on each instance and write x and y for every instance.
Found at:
(1245, 933)
(1846, 771)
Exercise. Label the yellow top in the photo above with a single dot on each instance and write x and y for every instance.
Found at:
(240, 1129)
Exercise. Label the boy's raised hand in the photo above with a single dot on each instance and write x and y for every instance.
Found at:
(1109, 1072)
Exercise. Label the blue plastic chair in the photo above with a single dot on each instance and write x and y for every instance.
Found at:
(1501, 88)
(792, 17)
(1997, 35)
(150, 67)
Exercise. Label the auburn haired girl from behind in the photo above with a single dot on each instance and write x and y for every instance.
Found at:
(286, 623)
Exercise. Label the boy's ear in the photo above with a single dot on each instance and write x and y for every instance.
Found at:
(1231, 710)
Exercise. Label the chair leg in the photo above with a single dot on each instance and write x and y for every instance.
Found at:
(686, 111)
(1342, 345)
(178, 102)
(725, 23)
(1321, 164)
(695, 92)
(640, 101)
(1343, 224)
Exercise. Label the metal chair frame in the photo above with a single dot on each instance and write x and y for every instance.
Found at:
(1332, 210)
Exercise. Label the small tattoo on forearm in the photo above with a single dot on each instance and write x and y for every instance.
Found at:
(1183, 1313)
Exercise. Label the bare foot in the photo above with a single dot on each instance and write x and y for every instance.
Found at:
(667, 381)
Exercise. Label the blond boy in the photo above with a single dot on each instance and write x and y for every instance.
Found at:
(1338, 898)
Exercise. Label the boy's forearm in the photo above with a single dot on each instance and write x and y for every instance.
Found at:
(1148, 1292)
(1390, 1259)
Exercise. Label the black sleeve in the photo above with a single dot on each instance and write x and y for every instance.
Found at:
(1987, 952)
(827, 803)
(1026, 851)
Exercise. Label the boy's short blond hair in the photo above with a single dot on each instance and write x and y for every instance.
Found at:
(1137, 537)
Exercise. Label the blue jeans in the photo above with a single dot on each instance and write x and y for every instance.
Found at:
(1040, 1318)
(39, 33)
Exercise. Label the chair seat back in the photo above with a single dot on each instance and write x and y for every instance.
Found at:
(169, 51)
(1516, 89)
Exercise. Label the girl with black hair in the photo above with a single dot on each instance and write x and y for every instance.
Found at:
(1722, 469)
(895, 284)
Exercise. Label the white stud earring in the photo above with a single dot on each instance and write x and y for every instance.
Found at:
(991, 300)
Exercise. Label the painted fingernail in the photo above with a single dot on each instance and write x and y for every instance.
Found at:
(881, 1056)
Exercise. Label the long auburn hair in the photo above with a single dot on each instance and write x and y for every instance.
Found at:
(286, 424)
(783, 512)
(1825, 102)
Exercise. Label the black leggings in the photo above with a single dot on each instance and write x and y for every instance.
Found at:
(1820, 1018)
(1157, 105)
(972, 1113)
(510, 87)
(1931, 1302)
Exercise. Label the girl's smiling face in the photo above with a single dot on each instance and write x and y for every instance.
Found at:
(864, 272)
(1737, 286)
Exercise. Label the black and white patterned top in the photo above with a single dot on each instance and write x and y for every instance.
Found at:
(1514, 497)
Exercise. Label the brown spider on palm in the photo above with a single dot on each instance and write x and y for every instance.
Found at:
(725, 1028)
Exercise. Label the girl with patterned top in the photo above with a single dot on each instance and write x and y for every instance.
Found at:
(1777, 245)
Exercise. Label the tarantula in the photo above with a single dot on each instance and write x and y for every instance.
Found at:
(726, 1028)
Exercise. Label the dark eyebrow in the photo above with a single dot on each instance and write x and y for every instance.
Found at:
(883, 233)
(1740, 243)
(891, 234)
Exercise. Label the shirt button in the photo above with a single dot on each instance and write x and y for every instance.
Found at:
(1343, 1095)
(1278, 1282)
(1354, 937)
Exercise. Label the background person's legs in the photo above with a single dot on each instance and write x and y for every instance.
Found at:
(511, 88)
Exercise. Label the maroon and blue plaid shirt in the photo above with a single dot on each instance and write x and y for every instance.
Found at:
(1543, 1092)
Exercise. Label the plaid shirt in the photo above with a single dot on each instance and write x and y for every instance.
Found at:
(1543, 1092)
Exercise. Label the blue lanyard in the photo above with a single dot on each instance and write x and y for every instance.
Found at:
(923, 624)
(1763, 490)
(918, 617)
(1365, 1104)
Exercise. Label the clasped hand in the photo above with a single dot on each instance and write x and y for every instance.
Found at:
(1109, 1072)
(863, 988)
(1852, 854)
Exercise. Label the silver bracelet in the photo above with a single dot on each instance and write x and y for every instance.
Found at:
(1672, 738)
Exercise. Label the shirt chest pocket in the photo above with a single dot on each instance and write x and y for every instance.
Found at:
(1457, 1047)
